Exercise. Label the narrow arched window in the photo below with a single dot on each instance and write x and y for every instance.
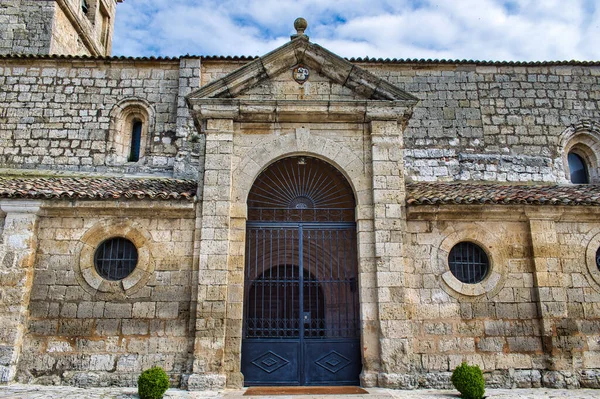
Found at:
(578, 169)
(131, 122)
(136, 138)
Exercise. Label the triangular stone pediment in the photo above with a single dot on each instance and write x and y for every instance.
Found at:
(331, 78)
(284, 87)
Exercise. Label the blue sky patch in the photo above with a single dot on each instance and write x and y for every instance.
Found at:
(517, 30)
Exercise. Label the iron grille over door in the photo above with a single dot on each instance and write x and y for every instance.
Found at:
(301, 309)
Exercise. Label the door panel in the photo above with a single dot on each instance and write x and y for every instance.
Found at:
(332, 362)
(301, 323)
(271, 362)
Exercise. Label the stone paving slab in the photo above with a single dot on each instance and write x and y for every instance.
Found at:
(18, 391)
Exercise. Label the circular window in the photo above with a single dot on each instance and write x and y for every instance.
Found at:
(468, 262)
(114, 267)
(115, 258)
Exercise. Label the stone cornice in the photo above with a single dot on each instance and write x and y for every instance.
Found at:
(146, 208)
(503, 213)
(20, 206)
(300, 111)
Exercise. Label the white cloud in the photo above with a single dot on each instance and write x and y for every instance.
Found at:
(458, 29)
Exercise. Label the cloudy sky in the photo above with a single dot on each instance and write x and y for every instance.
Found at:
(518, 30)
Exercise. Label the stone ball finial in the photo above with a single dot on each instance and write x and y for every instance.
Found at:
(300, 25)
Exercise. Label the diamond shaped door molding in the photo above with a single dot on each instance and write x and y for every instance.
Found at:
(269, 362)
(333, 362)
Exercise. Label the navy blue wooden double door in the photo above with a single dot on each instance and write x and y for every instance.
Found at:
(301, 304)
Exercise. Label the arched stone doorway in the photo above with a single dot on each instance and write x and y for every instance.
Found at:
(301, 303)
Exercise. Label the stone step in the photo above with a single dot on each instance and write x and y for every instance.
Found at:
(374, 393)
(241, 396)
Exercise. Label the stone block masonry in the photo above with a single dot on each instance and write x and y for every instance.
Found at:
(492, 123)
(56, 113)
(448, 137)
(25, 26)
(534, 328)
(43, 27)
(77, 338)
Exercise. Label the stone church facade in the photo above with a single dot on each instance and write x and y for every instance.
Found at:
(451, 207)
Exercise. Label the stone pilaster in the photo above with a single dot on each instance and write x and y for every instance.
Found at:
(214, 253)
(389, 221)
(368, 297)
(235, 295)
(17, 256)
(550, 285)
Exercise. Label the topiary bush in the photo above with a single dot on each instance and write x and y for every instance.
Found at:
(468, 380)
(153, 383)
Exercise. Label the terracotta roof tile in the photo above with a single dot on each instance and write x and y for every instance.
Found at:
(97, 188)
(467, 193)
(421, 61)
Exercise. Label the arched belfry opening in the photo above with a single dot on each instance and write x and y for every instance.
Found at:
(301, 304)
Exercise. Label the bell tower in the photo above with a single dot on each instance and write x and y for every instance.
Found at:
(68, 27)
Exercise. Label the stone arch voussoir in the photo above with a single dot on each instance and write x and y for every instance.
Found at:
(122, 116)
(583, 139)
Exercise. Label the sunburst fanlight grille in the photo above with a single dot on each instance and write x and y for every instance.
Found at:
(301, 188)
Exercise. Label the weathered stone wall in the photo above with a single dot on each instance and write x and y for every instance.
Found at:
(107, 337)
(498, 331)
(189, 162)
(26, 26)
(100, 12)
(495, 123)
(216, 69)
(427, 321)
(575, 282)
(525, 327)
(56, 114)
(473, 122)
(65, 38)
(56, 27)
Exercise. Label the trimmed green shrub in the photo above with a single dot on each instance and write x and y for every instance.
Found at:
(468, 380)
(153, 383)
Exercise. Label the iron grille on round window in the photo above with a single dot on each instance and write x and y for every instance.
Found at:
(468, 262)
(115, 258)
